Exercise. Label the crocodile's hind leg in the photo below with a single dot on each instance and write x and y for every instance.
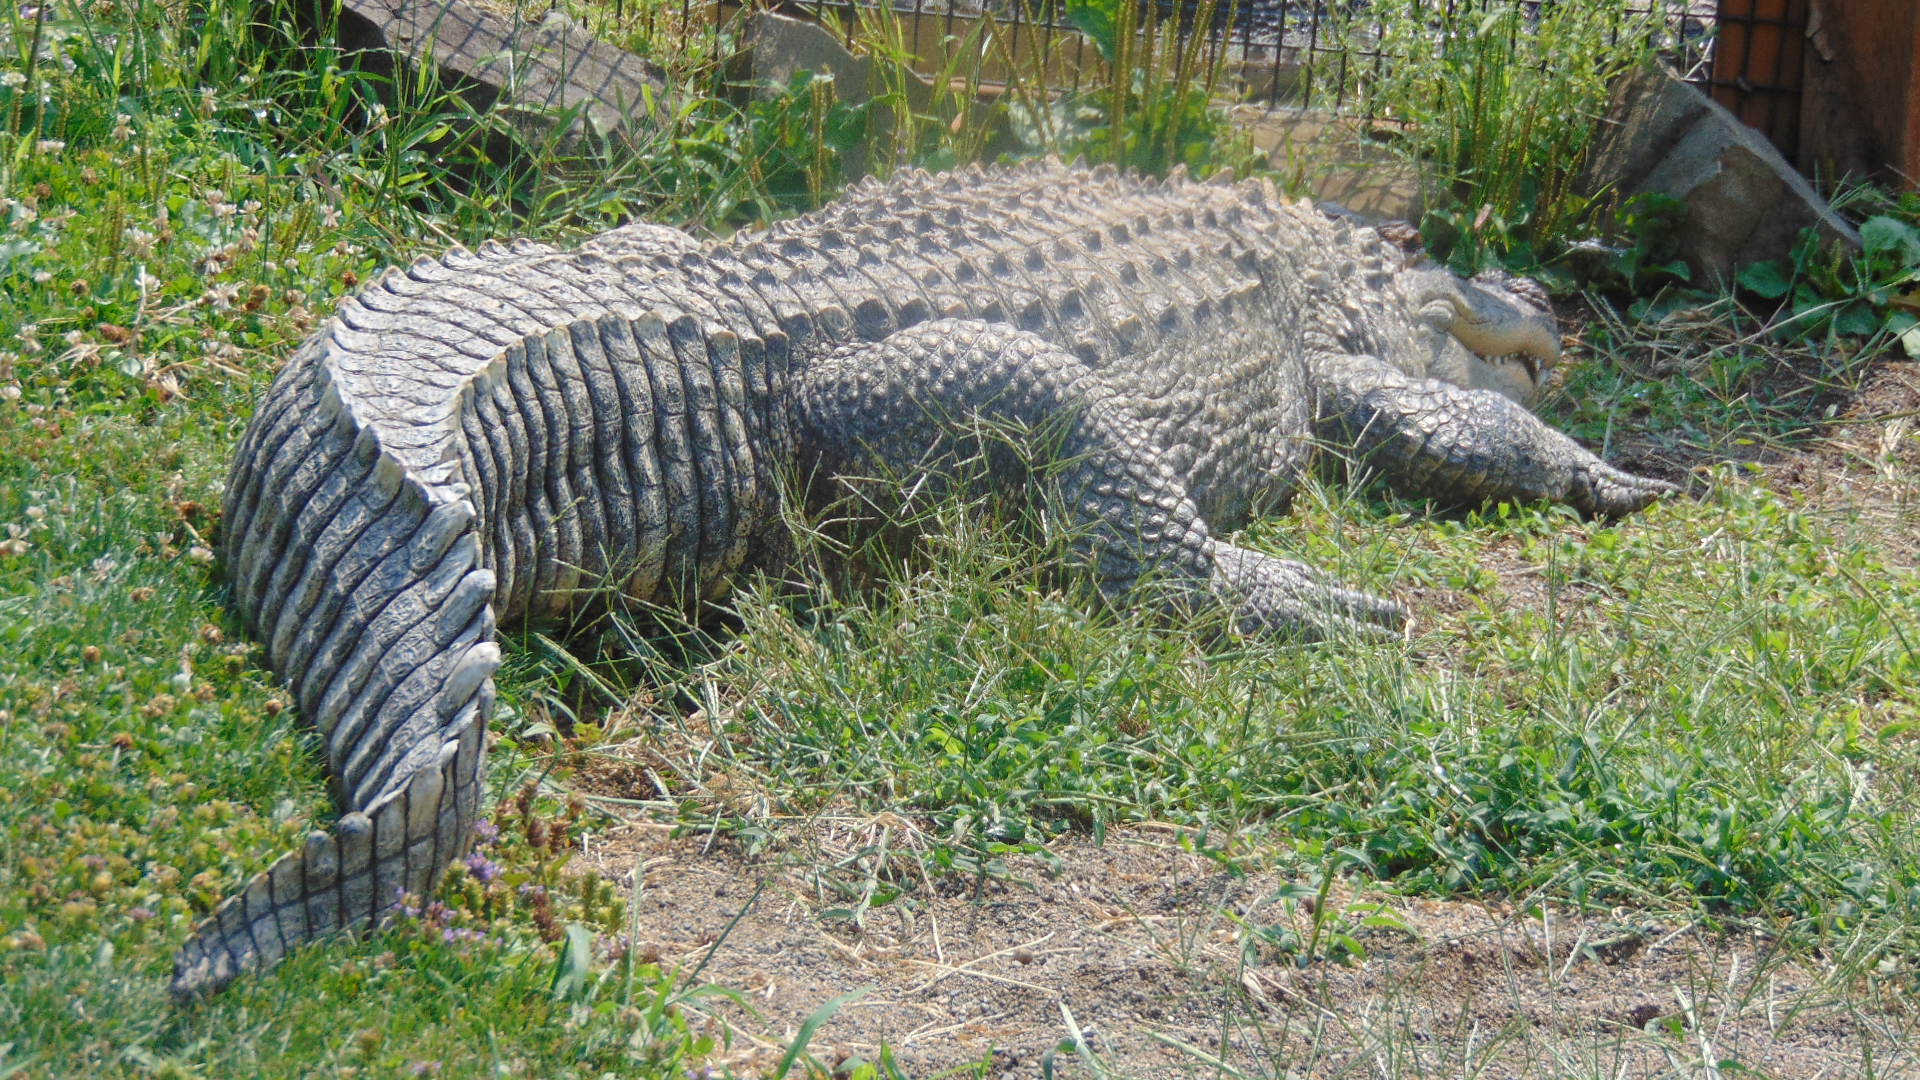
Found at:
(1464, 446)
(921, 401)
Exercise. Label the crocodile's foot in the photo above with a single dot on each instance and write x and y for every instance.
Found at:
(1281, 597)
(1602, 491)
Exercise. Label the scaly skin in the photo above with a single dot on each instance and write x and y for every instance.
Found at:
(489, 436)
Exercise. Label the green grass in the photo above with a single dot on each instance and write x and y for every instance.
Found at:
(1682, 718)
(1707, 709)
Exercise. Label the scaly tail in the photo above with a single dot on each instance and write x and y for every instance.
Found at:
(368, 590)
(482, 434)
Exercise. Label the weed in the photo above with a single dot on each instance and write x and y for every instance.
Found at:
(800, 139)
(1826, 291)
(1151, 106)
(1644, 267)
(1500, 103)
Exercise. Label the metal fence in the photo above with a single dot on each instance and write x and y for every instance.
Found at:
(1281, 51)
(1758, 64)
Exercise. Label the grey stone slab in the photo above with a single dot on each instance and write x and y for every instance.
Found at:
(1744, 202)
(550, 70)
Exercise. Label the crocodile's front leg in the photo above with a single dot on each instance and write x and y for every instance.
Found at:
(1464, 446)
(1046, 426)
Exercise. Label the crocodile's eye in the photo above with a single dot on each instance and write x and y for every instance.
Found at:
(1436, 315)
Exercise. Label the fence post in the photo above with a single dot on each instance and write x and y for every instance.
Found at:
(1861, 115)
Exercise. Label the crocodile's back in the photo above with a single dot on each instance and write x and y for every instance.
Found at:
(1189, 298)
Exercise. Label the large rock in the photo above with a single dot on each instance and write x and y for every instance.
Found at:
(550, 72)
(1743, 202)
(775, 48)
(1336, 159)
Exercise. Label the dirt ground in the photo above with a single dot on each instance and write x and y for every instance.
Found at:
(1171, 966)
(1165, 962)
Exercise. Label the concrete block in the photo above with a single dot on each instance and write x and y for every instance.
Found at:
(1335, 159)
(777, 47)
(545, 69)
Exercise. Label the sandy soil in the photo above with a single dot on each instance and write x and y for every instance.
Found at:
(1164, 960)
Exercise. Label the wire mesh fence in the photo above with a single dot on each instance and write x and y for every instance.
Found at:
(1757, 65)
(1280, 51)
(1324, 53)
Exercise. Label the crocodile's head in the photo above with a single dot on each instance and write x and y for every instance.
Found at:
(1494, 332)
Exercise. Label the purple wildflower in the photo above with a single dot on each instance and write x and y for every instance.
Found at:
(613, 947)
(482, 868)
(485, 832)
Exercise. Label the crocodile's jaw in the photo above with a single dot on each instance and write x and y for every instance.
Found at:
(1514, 376)
(1484, 336)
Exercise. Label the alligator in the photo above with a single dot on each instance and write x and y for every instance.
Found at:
(503, 434)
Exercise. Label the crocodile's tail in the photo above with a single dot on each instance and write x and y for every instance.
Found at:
(490, 433)
(369, 591)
